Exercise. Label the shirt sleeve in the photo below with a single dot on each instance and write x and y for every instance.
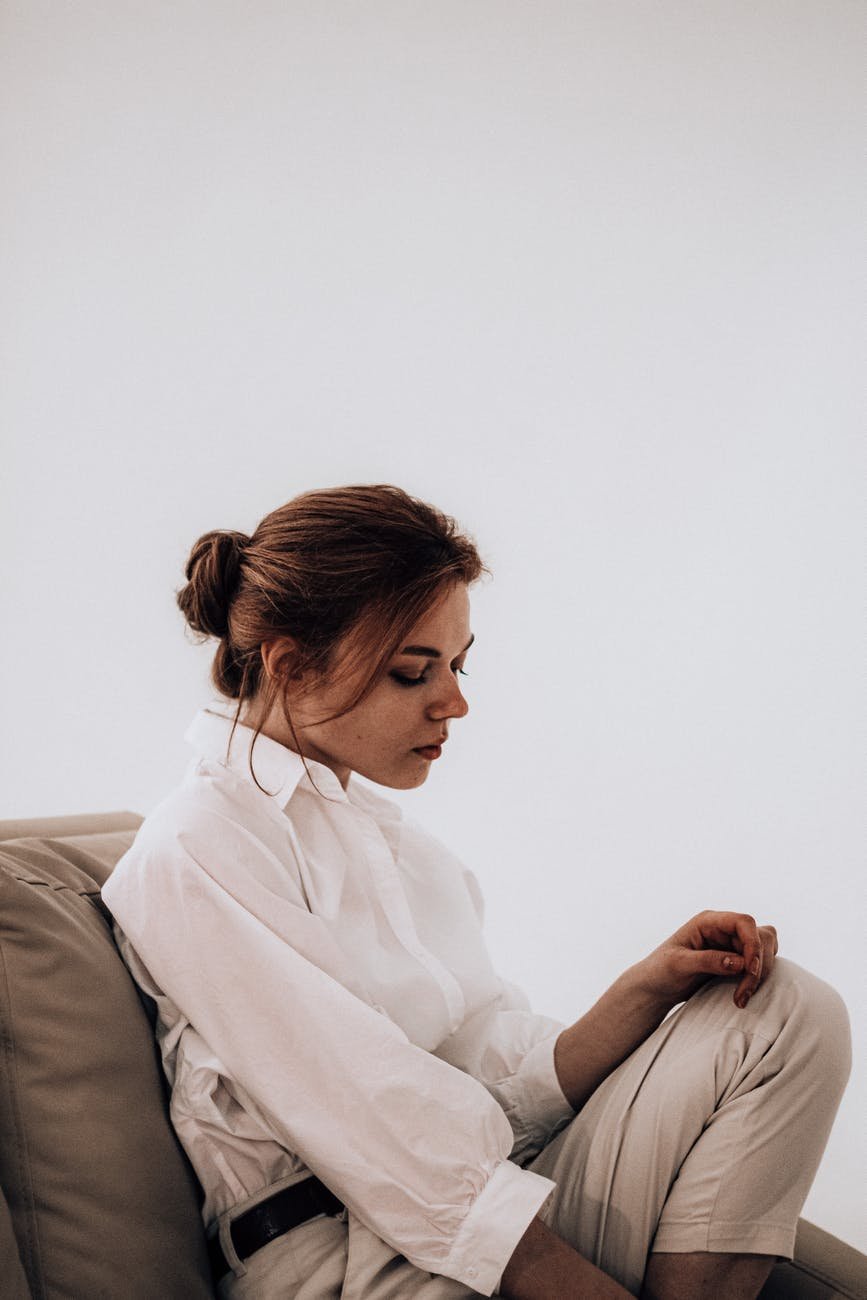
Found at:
(510, 1050)
(416, 1148)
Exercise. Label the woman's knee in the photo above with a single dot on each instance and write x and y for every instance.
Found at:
(793, 1003)
(817, 1011)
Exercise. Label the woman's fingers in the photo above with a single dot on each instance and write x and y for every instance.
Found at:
(769, 949)
(712, 944)
(709, 961)
(756, 946)
(759, 964)
(748, 933)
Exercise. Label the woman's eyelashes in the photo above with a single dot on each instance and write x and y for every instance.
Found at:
(403, 680)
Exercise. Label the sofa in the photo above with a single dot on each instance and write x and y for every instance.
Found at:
(98, 1199)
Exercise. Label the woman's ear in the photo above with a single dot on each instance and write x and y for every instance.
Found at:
(279, 655)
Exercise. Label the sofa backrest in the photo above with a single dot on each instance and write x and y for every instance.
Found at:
(98, 1199)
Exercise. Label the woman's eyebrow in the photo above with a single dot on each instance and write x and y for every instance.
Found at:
(429, 652)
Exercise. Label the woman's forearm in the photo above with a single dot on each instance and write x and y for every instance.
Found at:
(589, 1050)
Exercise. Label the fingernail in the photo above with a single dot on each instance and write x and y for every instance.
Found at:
(728, 963)
(755, 965)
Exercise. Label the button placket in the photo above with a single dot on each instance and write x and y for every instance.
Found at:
(384, 872)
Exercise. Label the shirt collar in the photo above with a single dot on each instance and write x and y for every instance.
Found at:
(279, 769)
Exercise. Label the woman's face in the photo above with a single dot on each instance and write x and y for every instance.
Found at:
(409, 709)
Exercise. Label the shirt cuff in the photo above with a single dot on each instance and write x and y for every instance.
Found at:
(496, 1222)
(534, 1103)
(542, 1095)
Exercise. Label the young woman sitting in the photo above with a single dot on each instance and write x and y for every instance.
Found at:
(373, 1112)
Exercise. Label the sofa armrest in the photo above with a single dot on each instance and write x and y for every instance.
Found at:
(824, 1268)
(19, 828)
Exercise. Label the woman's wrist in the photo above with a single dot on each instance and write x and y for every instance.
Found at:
(588, 1051)
(639, 986)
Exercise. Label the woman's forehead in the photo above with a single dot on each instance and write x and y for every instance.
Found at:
(448, 619)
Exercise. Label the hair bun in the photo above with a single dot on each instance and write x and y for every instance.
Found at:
(213, 573)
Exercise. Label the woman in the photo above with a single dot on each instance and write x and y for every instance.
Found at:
(371, 1110)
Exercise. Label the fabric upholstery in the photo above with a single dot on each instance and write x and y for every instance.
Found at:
(824, 1268)
(98, 1192)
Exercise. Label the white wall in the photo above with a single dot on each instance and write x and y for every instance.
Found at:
(583, 274)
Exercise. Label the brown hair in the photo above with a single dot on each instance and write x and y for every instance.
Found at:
(358, 565)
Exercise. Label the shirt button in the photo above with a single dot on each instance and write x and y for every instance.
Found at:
(472, 1272)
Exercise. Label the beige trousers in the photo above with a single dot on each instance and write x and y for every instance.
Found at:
(706, 1138)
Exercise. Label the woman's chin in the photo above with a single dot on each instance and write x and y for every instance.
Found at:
(409, 778)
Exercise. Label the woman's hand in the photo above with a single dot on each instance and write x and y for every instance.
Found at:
(711, 944)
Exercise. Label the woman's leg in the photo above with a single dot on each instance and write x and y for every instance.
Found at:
(684, 1277)
(707, 1138)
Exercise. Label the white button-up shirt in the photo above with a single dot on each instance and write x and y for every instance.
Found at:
(326, 1003)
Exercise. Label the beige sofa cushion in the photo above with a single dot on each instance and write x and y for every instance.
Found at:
(825, 1268)
(99, 1194)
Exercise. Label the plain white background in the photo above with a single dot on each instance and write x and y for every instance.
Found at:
(586, 275)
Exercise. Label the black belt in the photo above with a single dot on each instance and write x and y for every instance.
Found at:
(271, 1218)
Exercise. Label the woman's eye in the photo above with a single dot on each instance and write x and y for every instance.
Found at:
(409, 681)
(418, 681)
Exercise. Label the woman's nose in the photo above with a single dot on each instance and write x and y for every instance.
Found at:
(451, 705)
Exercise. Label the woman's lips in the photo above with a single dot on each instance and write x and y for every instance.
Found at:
(429, 751)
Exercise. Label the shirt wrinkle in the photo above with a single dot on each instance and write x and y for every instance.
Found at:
(326, 1003)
